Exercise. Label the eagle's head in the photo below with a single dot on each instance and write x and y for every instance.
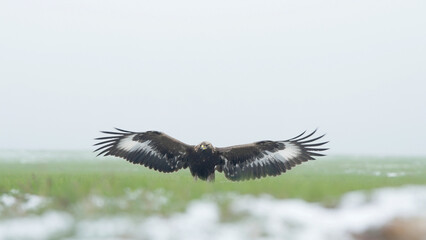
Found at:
(204, 146)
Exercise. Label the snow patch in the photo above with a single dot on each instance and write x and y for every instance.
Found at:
(261, 217)
(45, 226)
(7, 200)
(22, 203)
(357, 212)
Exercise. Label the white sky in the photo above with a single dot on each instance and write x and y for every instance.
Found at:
(229, 72)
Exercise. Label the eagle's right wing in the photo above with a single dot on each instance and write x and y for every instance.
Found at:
(152, 149)
(268, 158)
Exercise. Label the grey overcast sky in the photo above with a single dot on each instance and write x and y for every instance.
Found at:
(226, 71)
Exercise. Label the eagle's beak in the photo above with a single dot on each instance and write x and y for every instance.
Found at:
(203, 147)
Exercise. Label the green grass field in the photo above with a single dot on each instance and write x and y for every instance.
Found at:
(71, 179)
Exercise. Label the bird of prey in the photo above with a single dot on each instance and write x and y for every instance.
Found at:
(163, 153)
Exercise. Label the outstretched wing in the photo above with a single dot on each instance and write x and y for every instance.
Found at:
(268, 158)
(152, 149)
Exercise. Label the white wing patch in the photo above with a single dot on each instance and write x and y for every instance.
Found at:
(263, 160)
(129, 145)
(290, 151)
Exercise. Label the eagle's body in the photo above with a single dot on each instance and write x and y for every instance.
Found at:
(163, 153)
(202, 163)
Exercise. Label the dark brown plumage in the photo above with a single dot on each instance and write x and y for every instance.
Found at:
(165, 154)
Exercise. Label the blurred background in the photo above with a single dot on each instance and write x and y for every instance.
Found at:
(229, 72)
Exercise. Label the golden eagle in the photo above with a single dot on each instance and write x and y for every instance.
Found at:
(165, 154)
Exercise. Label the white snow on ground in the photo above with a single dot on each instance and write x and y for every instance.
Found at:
(262, 217)
(387, 173)
(7, 200)
(45, 226)
(21, 202)
(144, 200)
(297, 219)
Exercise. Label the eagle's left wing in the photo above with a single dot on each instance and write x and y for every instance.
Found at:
(152, 149)
(268, 158)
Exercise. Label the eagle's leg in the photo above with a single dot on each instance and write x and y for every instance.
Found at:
(210, 178)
